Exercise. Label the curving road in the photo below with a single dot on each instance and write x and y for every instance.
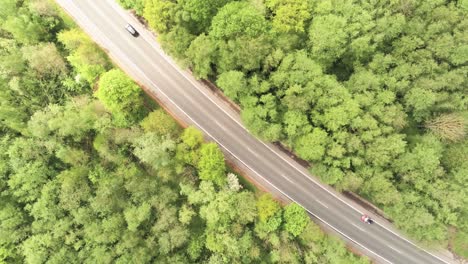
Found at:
(190, 102)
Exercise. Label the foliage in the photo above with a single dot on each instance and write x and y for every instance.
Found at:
(137, 5)
(75, 188)
(295, 218)
(233, 182)
(33, 71)
(154, 150)
(160, 14)
(160, 123)
(121, 96)
(211, 164)
(237, 19)
(201, 54)
(87, 59)
(460, 245)
(289, 15)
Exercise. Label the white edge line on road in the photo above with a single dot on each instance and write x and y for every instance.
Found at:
(292, 165)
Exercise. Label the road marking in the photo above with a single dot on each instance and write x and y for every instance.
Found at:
(324, 205)
(221, 126)
(395, 249)
(253, 152)
(360, 228)
(286, 178)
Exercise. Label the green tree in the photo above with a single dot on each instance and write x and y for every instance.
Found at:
(160, 14)
(211, 164)
(24, 28)
(187, 150)
(160, 123)
(137, 5)
(177, 41)
(85, 56)
(201, 12)
(244, 53)
(290, 15)
(9, 7)
(233, 84)
(136, 215)
(328, 38)
(154, 150)
(262, 116)
(45, 60)
(269, 214)
(295, 219)
(201, 55)
(312, 145)
(121, 96)
(237, 19)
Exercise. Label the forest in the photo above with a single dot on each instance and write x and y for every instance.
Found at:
(93, 171)
(372, 93)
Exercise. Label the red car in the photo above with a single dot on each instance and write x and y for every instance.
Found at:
(366, 219)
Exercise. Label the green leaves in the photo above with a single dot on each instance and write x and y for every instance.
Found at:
(311, 146)
(161, 123)
(211, 165)
(269, 214)
(45, 60)
(121, 96)
(232, 83)
(160, 14)
(154, 150)
(136, 215)
(202, 11)
(328, 38)
(24, 28)
(85, 56)
(237, 19)
(295, 218)
(290, 15)
(201, 54)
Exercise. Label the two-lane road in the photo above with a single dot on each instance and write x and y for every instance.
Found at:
(142, 58)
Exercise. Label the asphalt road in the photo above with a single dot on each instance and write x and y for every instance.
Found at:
(189, 101)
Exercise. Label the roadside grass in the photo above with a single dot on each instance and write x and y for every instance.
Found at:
(460, 244)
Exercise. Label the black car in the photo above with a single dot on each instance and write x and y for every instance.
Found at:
(131, 30)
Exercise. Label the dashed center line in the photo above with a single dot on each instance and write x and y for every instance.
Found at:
(360, 228)
(251, 151)
(395, 249)
(286, 178)
(219, 124)
(324, 205)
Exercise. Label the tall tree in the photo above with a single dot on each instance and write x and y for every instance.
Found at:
(121, 96)
(211, 164)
